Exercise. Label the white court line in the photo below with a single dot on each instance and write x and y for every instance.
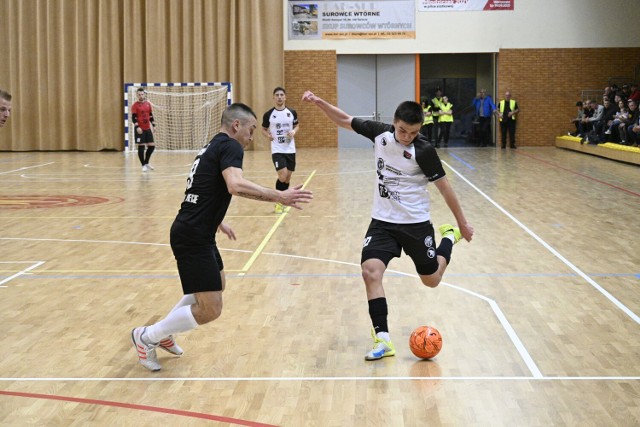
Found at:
(580, 273)
(21, 272)
(117, 242)
(322, 379)
(528, 360)
(27, 167)
(494, 306)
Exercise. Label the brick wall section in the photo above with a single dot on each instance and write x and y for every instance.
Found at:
(545, 82)
(548, 82)
(316, 71)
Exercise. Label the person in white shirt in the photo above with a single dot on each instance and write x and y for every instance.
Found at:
(280, 125)
(401, 220)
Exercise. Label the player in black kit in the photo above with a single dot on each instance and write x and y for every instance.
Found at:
(216, 175)
(400, 218)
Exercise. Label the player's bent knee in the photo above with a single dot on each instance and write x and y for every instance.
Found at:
(208, 315)
(208, 307)
(371, 274)
(431, 281)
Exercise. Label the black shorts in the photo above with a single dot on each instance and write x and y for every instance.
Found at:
(199, 265)
(385, 241)
(145, 137)
(282, 160)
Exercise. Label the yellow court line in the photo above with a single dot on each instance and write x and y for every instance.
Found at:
(266, 239)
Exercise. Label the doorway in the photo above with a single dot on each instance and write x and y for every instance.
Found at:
(460, 77)
(371, 87)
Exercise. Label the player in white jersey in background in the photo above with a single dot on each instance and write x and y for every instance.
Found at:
(405, 164)
(280, 125)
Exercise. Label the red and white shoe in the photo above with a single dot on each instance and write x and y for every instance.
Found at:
(169, 344)
(146, 353)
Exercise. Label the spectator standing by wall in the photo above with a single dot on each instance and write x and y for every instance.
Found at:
(436, 102)
(427, 123)
(446, 120)
(507, 112)
(484, 108)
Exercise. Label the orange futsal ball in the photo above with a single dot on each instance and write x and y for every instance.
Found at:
(425, 342)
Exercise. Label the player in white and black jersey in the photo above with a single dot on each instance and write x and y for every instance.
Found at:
(216, 175)
(405, 164)
(280, 125)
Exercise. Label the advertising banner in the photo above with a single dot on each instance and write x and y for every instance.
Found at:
(464, 5)
(372, 19)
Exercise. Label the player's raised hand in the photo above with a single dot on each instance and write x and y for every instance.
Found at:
(309, 96)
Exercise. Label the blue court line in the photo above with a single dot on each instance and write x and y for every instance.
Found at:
(462, 161)
(232, 275)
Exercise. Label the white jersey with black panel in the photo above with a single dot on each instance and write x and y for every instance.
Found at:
(403, 172)
(279, 123)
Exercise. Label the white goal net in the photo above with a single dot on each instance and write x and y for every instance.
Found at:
(186, 115)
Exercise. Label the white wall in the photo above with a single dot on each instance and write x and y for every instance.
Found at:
(533, 24)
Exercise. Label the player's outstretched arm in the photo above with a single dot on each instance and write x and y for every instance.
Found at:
(332, 112)
(443, 185)
(239, 186)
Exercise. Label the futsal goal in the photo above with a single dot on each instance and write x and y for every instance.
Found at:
(187, 115)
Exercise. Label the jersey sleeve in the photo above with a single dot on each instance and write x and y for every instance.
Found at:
(369, 128)
(134, 114)
(265, 119)
(295, 117)
(231, 155)
(428, 159)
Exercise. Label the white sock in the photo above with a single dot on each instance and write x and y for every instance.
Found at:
(179, 320)
(185, 300)
(384, 335)
(451, 237)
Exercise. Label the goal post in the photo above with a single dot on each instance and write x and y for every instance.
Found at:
(187, 115)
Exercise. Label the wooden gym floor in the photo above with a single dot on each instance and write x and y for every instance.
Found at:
(539, 314)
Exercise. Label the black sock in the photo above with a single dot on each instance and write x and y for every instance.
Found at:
(141, 154)
(378, 313)
(445, 248)
(149, 152)
(281, 186)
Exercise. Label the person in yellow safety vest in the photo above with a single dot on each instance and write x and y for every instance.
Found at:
(427, 123)
(435, 108)
(445, 120)
(507, 111)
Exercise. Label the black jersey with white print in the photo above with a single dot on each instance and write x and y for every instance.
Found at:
(400, 195)
(279, 123)
(206, 197)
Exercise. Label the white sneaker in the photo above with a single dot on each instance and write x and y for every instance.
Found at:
(146, 353)
(151, 168)
(381, 348)
(145, 168)
(607, 132)
(169, 344)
